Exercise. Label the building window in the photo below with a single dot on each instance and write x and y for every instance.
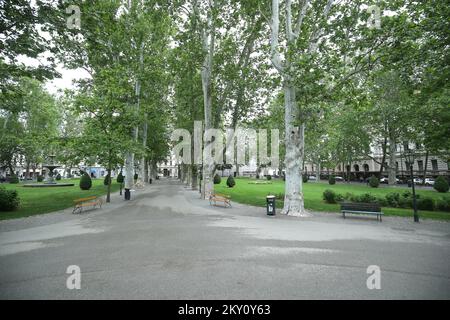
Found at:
(366, 167)
(434, 165)
(420, 164)
(356, 167)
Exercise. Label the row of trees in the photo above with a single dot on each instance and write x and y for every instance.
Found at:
(337, 85)
(334, 84)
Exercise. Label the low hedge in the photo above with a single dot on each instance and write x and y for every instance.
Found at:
(393, 200)
(14, 179)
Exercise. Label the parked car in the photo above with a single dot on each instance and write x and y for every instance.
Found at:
(338, 178)
(386, 180)
(429, 182)
(312, 178)
(416, 181)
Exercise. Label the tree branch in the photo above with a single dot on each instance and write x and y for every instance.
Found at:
(275, 26)
(315, 35)
(300, 18)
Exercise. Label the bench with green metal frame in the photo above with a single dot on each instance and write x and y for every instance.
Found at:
(361, 208)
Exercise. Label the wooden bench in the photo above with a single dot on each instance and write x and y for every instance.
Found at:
(217, 197)
(361, 208)
(87, 202)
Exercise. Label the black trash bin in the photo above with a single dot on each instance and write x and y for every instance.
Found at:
(270, 205)
(127, 194)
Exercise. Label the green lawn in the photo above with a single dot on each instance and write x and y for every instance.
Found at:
(42, 200)
(255, 194)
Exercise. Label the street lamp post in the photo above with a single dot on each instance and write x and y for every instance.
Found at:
(409, 156)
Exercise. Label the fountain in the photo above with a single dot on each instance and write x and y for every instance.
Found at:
(50, 181)
(51, 166)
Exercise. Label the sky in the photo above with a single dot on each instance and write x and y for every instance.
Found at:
(67, 75)
(66, 81)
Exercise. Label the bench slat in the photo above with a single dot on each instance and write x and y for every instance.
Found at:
(361, 206)
(85, 199)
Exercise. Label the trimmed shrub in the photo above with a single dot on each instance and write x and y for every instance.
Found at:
(269, 178)
(85, 182)
(443, 204)
(374, 182)
(366, 197)
(120, 177)
(332, 180)
(405, 203)
(14, 179)
(304, 178)
(329, 196)
(40, 178)
(441, 184)
(382, 201)
(58, 177)
(217, 179)
(348, 195)
(393, 199)
(230, 182)
(425, 204)
(107, 180)
(406, 194)
(9, 200)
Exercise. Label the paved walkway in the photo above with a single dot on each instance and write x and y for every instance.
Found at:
(168, 244)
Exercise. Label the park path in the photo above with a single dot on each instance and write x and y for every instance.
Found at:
(168, 244)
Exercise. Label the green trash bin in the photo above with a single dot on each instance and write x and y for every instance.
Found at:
(270, 205)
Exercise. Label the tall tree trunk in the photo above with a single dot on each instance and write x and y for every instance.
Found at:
(129, 161)
(68, 168)
(294, 140)
(383, 159)
(318, 171)
(153, 169)
(108, 194)
(129, 170)
(188, 175)
(27, 172)
(206, 75)
(193, 167)
(194, 177)
(294, 136)
(392, 159)
(146, 170)
(425, 167)
(144, 177)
